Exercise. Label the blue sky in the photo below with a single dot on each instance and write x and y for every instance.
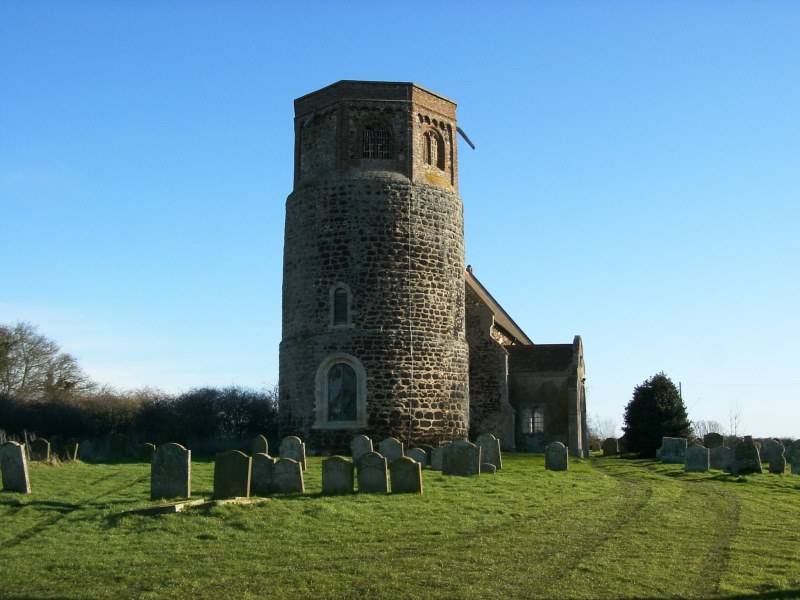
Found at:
(636, 180)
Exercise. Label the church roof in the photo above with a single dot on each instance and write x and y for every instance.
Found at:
(546, 357)
(501, 317)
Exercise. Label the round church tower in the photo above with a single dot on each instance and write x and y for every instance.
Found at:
(373, 269)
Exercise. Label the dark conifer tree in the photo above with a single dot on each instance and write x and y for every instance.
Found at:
(656, 410)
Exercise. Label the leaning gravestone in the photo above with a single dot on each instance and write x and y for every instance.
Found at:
(146, 452)
(262, 475)
(771, 449)
(337, 475)
(673, 450)
(713, 440)
(14, 467)
(419, 455)
(359, 446)
(71, 451)
(391, 448)
(721, 458)
(372, 477)
(490, 450)
(40, 450)
(746, 458)
(697, 459)
(259, 445)
(462, 458)
(406, 476)
(294, 448)
(556, 457)
(610, 447)
(232, 475)
(171, 472)
(288, 476)
(437, 458)
(778, 464)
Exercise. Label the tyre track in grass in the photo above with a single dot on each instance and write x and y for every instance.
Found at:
(44, 524)
(726, 508)
(719, 508)
(637, 498)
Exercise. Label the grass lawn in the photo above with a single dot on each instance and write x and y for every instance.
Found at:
(608, 528)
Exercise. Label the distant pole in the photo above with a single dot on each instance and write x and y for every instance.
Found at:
(680, 390)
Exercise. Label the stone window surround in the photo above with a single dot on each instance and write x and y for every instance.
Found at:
(532, 419)
(332, 302)
(434, 151)
(321, 393)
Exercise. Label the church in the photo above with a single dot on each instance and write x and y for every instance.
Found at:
(385, 332)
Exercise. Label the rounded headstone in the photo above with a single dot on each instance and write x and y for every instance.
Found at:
(337, 475)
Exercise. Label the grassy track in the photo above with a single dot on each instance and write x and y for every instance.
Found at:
(609, 528)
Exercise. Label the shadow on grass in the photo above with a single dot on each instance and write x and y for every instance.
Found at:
(776, 594)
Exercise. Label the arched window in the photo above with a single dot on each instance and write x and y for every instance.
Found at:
(433, 150)
(376, 142)
(532, 420)
(340, 302)
(342, 394)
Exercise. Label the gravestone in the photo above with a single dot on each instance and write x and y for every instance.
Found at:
(14, 468)
(746, 458)
(262, 476)
(721, 458)
(419, 455)
(406, 476)
(259, 445)
(778, 464)
(232, 475)
(771, 449)
(488, 469)
(697, 459)
(556, 457)
(673, 450)
(713, 440)
(437, 458)
(288, 476)
(118, 445)
(462, 458)
(359, 446)
(294, 448)
(171, 472)
(337, 475)
(391, 448)
(610, 447)
(71, 451)
(372, 478)
(146, 452)
(490, 450)
(793, 453)
(86, 452)
(40, 450)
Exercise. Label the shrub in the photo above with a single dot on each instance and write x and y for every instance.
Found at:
(655, 410)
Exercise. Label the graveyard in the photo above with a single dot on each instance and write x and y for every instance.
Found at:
(608, 527)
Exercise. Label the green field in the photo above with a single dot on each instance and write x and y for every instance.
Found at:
(608, 528)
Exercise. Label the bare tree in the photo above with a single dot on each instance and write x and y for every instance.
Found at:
(600, 428)
(701, 428)
(734, 420)
(32, 365)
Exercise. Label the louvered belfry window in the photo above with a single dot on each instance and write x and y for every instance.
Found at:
(377, 143)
